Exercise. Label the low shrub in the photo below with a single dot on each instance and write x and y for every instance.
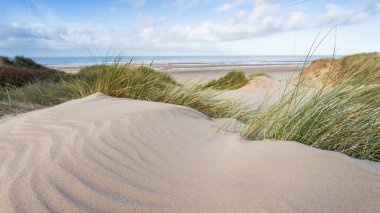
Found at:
(233, 80)
(126, 81)
(334, 71)
(343, 117)
(258, 74)
(22, 71)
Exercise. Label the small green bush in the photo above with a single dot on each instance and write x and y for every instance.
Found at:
(349, 68)
(127, 81)
(22, 71)
(233, 80)
(342, 117)
(258, 74)
(5, 61)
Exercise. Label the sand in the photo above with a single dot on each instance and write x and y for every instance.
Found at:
(202, 73)
(207, 72)
(103, 154)
(259, 90)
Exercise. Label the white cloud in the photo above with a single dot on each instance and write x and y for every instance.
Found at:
(134, 2)
(186, 4)
(147, 33)
(223, 8)
(211, 31)
(231, 5)
(373, 7)
(296, 19)
(240, 14)
(338, 15)
(247, 19)
(53, 37)
(262, 8)
(266, 18)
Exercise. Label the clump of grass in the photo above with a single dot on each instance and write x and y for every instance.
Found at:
(258, 74)
(6, 109)
(15, 76)
(338, 70)
(5, 61)
(233, 80)
(342, 117)
(9, 108)
(128, 81)
(21, 71)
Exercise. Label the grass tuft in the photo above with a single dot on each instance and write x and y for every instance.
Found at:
(347, 68)
(258, 74)
(22, 71)
(343, 116)
(127, 81)
(233, 80)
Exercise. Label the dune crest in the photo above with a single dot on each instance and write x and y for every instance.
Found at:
(103, 154)
(262, 84)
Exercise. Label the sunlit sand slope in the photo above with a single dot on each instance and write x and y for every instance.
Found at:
(102, 154)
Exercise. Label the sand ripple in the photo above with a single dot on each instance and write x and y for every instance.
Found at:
(102, 154)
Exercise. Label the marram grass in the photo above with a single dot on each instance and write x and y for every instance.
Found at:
(347, 68)
(343, 116)
(127, 81)
(253, 75)
(232, 80)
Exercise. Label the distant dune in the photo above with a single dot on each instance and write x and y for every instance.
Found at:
(337, 69)
(103, 154)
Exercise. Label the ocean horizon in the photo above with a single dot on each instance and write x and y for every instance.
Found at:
(233, 59)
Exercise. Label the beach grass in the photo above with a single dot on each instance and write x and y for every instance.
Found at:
(14, 107)
(340, 115)
(232, 80)
(127, 81)
(7, 109)
(253, 75)
(347, 68)
(21, 71)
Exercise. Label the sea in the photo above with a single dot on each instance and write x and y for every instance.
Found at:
(227, 60)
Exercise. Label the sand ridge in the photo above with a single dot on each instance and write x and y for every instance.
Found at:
(103, 154)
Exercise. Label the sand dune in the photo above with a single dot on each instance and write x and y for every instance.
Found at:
(102, 154)
(259, 90)
(262, 84)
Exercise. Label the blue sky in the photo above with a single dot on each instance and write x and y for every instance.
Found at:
(186, 27)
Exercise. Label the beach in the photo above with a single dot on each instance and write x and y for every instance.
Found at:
(267, 106)
(203, 72)
(102, 154)
(180, 147)
(259, 90)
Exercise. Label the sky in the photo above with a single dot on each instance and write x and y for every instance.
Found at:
(187, 27)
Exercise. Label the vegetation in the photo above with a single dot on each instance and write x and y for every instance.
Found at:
(336, 70)
(126, 81)
(342, 114)
(6, 109)
(14, 108)
(258, 74)
(344, 117)
(233, 80)
(21, 71)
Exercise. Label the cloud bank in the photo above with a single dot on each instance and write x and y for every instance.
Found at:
(242, 19)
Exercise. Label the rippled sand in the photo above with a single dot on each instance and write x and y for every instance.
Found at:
(102, 154)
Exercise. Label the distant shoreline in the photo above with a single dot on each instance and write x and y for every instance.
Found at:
(206, 72)
(177, 68)
(174, 61)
